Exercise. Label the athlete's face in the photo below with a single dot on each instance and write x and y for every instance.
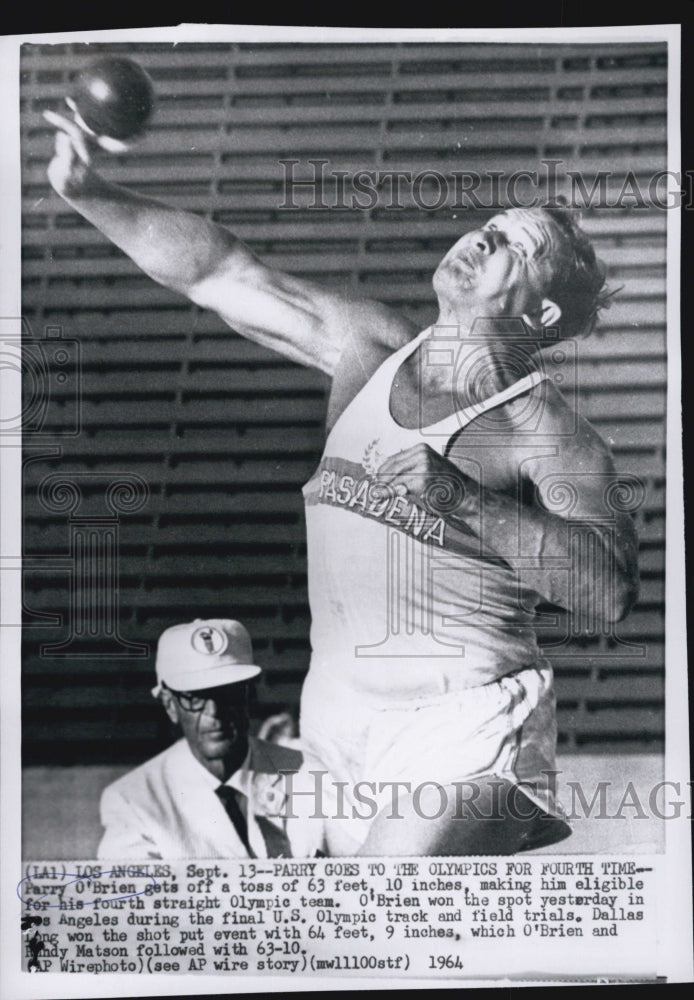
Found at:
(505, 268)
(215, 724)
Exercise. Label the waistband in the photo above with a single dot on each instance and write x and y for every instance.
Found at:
(329, 688)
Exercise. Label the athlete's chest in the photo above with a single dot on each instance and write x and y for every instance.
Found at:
(415, 393)
(378, 413)
(354, 371)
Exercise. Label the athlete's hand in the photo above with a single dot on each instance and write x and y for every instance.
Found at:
(432, 481)
(71, 167)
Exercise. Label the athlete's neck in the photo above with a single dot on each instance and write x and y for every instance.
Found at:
(477, 360)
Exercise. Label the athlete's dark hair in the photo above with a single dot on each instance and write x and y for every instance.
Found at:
(578, 286)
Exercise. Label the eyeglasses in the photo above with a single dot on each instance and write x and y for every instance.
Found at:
(196, 701)
(191, 702)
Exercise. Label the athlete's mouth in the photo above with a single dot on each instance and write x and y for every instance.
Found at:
(465, 262)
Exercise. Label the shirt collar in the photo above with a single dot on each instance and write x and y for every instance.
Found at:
(240, 780)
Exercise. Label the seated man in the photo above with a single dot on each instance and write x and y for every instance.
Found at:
(216, 793)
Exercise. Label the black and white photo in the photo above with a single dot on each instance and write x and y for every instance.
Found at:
(342, 442)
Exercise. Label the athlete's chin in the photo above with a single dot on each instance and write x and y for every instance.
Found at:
(452, 284)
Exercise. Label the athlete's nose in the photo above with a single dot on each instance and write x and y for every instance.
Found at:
(483, 242)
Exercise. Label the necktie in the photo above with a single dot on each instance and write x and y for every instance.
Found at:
(276, 841)
(227, 796)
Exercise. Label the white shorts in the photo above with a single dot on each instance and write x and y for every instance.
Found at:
(505, 729)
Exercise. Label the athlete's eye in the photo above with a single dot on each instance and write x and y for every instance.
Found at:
(520, 247)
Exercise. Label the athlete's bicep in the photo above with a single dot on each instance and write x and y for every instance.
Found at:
(294, 316)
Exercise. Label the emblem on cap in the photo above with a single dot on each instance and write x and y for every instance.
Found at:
(209, 640)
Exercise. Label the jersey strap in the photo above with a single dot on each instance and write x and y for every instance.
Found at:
(438, 435)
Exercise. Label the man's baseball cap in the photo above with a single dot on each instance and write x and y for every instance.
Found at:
(204, 654)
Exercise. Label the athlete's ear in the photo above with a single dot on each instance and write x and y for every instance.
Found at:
(551, 313)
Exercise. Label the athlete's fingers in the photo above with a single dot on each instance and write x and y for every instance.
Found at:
(61, 122)
(388, 465)
(393, 477)
(391, 481)
(58, 120)
(419, 458)
(401, 484)
(71, 131)
(404, 461)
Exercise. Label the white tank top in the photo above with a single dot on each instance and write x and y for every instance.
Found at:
(394, 613)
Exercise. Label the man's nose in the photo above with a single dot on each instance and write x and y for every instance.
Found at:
(221, 709)
(214, 708)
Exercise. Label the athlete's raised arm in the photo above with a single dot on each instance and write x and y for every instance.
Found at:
(210, 266)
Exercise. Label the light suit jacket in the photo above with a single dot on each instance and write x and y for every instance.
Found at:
(167, 808)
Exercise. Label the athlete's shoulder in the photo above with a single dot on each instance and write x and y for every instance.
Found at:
(374, 328)
(370, 337)
(568, 442)
(557, 417)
